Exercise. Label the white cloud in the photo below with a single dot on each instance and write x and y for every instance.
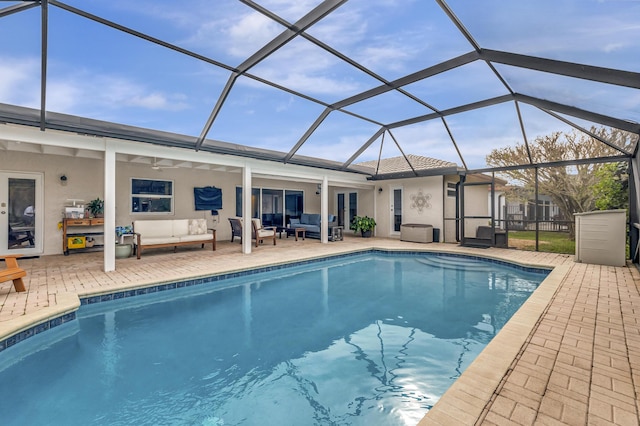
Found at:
(19, 81)
(64, 96)
(291, 10)
(284, 106)
(249, 33)
(82, 90)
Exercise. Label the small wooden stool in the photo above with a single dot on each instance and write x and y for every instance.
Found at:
(13, 272)
(300, 232)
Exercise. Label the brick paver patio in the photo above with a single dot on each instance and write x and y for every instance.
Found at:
(570, 355)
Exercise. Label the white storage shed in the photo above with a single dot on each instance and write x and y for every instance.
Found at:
(601, 237)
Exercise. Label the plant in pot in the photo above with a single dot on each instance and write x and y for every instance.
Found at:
(364, 224)
(96, 207)
(123, 250)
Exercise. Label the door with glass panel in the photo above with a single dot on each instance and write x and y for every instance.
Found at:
(21, 206)
(396, 210)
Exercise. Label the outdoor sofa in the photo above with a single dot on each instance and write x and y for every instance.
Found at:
(171, 233)
(311, 222)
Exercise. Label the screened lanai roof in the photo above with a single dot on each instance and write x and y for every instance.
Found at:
(324, 83)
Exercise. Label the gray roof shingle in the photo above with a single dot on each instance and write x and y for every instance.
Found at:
(399, 164)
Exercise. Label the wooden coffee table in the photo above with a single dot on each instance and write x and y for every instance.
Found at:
(297, 232)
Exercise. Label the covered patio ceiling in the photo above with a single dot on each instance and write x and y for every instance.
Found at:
(327, 84)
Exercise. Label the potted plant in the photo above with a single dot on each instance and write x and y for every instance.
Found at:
(123, 250)
(96, 207)
(364, 224)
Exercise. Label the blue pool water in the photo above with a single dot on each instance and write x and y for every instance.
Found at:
(369, 339)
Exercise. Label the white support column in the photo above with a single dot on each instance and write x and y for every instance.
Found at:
(375, 209)
(246, 209)
(324, 210)
(109, 207)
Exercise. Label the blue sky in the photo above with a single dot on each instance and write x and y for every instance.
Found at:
(98, 72)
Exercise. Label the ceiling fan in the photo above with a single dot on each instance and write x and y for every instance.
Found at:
(156, 166)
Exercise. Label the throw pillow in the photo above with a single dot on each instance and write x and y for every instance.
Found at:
(197, 226)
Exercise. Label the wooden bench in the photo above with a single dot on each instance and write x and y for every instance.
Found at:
(13, 272)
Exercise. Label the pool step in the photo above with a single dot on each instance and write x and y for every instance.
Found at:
(455, 263)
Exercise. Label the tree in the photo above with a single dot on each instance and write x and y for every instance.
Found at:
(570, 187)
(612, 189)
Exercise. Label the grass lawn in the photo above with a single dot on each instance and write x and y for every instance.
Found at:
(550, 242)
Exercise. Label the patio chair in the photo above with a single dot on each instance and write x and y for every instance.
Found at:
(18, 235)
(236, 228)
(260, 233)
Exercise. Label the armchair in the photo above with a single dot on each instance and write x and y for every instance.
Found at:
(236, 228)
(260, 233)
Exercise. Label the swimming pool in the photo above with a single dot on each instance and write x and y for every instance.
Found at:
(367, 339)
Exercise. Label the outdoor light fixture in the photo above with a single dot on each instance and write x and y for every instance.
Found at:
(380, 190)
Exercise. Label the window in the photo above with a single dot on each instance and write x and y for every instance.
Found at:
(151, 196)
(255, 197)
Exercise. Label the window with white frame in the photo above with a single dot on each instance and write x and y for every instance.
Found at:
(151, 196)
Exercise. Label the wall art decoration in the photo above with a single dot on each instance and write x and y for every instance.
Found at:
(420, 201)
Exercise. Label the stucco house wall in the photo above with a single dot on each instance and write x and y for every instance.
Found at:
(421, 203)
(425, 199)
(85, 181)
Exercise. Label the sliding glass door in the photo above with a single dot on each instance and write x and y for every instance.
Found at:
(274, 206)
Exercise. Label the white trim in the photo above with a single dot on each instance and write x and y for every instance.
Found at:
(260, 168)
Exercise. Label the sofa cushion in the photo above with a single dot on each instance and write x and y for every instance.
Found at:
(180, 227)
(148, 241)
(304, 218)
(309, 228)
(195, 237)
(265, 233)
(154, 228)
(294, 221)
(257, 223)
(314, 219)
(197, 226)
